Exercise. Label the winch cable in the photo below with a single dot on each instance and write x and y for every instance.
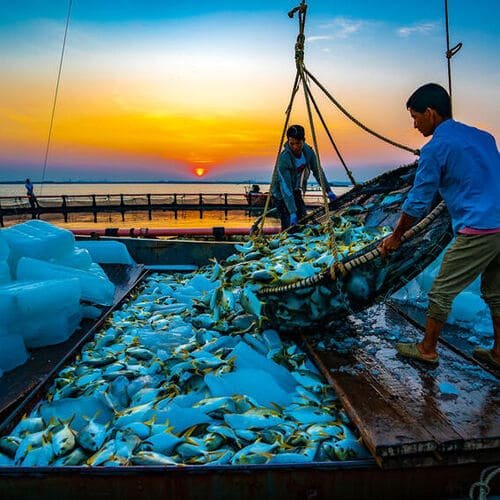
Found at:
(332, 142)
(299, 58)
(56, 92)
(299, 78)
(302, 77)
(356, 121)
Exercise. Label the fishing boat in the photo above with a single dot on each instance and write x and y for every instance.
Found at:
(421, 443)
(411, 457)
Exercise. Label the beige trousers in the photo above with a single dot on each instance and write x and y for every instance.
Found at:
(467, 258)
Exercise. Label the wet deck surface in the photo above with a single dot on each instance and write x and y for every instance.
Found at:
(454, 336)
(16, 384)
(407, 413)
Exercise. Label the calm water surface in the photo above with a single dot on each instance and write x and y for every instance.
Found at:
(127, 188)
(160, 219)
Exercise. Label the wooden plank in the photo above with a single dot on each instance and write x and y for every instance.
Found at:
(385, 429)
(473, 412)
(400, 407)
(453, 336)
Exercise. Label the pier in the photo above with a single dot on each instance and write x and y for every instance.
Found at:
(11, 206)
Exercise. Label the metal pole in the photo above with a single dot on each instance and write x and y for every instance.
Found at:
(450, 52)
(448, 57)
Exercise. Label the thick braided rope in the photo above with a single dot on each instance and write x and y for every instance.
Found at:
(357, 122)
(349, 265)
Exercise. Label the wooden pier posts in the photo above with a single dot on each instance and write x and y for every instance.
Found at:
(12, 206)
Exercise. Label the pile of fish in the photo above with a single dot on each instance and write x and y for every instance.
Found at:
(290, 258)
(183, 374)
(186, 373)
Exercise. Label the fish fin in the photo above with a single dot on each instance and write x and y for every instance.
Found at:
(189, 431)
(52, 422)
(151, 421)
(276, 406)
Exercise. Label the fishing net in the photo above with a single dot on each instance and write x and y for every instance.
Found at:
(361, 278)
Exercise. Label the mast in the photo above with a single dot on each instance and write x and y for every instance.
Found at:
(449, 52)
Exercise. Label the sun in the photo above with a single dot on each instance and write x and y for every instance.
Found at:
(200, 171)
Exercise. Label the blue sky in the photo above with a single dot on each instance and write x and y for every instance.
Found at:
(163, 89)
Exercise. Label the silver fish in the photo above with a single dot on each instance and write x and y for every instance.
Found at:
(151, 458)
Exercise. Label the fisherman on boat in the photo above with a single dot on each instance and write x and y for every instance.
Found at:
(295, 163)
(462, 164)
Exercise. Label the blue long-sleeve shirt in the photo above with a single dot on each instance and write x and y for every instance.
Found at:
(462, 163)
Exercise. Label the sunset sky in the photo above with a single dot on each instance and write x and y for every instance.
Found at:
(171, 90)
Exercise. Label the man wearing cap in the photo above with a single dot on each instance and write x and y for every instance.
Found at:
(295, 163)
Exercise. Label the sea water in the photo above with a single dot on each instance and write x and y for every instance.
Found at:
(159, 219)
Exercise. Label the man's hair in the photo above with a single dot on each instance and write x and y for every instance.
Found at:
(432, 96)
(296, 132)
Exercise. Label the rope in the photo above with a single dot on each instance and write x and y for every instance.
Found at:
(416, 229)
(55, 96)
(343, 268)
(334, 145)
(357, 122)
(483, 484)
(258, 235)
(299, 61)
(299, 58)
(328, 221)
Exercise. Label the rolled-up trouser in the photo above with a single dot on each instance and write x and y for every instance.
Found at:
(283, 210)
(468, 257)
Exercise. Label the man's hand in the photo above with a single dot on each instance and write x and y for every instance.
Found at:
(293, 219)
(390, 244)
(393, 241)
(331, 196)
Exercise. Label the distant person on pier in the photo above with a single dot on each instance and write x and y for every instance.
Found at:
(295, 163)
(462, 164)
(31, 195)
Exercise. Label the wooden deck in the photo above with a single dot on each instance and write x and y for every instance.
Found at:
(407, 414)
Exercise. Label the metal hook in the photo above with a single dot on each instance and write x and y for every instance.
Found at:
(451, 52)
(301, 8)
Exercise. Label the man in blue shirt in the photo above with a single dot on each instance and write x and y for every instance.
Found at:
(462, 164)
(295, 163)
